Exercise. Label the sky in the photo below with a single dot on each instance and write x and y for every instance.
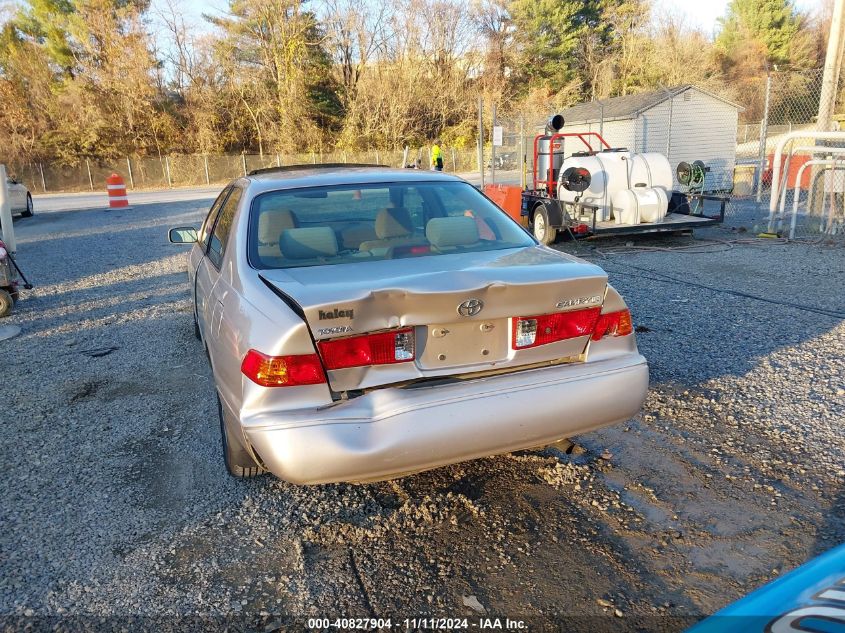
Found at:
(703, 14)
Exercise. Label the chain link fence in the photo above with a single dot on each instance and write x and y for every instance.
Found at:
(810, 201)
(189, 170)
(735, 137)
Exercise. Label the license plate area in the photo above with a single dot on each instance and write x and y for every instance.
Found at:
(461, 344)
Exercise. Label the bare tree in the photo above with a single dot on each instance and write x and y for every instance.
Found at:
(355, 32)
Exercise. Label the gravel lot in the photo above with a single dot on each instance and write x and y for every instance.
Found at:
(115, 502)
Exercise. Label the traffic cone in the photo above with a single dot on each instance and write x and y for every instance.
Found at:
(117, 192)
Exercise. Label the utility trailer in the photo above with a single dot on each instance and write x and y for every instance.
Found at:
(600, 190)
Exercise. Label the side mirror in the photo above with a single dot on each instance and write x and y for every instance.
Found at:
(576, 179)
(182, 235)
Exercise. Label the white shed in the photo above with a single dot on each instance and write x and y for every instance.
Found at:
(685, 123)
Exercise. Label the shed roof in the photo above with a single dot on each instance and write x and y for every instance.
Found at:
(629, 106)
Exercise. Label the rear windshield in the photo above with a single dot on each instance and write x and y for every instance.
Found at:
(331, 225)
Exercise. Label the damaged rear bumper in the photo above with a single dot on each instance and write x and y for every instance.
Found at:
(394, 431)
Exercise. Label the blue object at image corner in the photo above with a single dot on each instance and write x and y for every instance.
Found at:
(810, 598)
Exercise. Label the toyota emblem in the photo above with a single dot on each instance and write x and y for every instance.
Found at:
(470, 307)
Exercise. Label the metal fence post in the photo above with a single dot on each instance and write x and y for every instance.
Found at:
(205, 160)
(493, 148)
(522, 174)
(764, 131)
(601, 120)
(43, 182)
(90, 178)
(167, 171)
(481, 139)
(669, 128)
(129, 169)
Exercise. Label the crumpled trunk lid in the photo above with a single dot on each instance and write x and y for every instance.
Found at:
(459, 306)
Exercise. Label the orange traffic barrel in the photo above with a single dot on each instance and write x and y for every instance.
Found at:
(117, 192)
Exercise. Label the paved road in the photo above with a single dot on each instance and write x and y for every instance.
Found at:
(114, 500)
(51, 202)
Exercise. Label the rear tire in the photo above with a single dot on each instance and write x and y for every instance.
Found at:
(238, 462)
(30, 209)
(6, 303)
(197, 332)
(542, 229)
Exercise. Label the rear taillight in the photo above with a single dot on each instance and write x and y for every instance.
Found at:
(384, 348)
(613, 324)
(549, 328)
(283, 371)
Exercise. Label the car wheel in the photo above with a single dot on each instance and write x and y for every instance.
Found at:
(30, 210)
(238, 462)
(542, 229)
(6, 303)
(197, 332)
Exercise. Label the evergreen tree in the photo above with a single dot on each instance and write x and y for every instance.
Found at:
(548, 34)
(46, 21)
(771, 25)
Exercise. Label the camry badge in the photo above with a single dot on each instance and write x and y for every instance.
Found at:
(470, 307)
(580, 301)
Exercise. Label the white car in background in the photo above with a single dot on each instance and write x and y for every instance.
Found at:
(20, 198)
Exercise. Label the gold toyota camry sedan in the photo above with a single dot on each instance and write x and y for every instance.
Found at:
(365, 323)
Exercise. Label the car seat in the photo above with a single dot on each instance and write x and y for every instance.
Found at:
(450, 233)
(393, 227)
(309, 243)
(271, 224)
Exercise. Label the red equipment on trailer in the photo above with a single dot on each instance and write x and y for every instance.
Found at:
(610, 191)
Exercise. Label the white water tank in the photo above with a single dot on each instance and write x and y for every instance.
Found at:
(640, 205)
(612, 171)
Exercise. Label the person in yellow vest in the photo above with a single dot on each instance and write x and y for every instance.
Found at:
(436, 156)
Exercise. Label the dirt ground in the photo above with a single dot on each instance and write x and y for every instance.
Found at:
(115, 502)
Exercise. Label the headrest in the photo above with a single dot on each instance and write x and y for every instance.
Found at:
(308, 243)
(394, 222)
(457, 231)
(353, 236)
(271, 223)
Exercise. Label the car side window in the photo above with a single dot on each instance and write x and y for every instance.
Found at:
(222, 228)
(205, 229)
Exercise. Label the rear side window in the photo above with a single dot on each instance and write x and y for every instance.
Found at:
(205, 229)
(223, 228)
